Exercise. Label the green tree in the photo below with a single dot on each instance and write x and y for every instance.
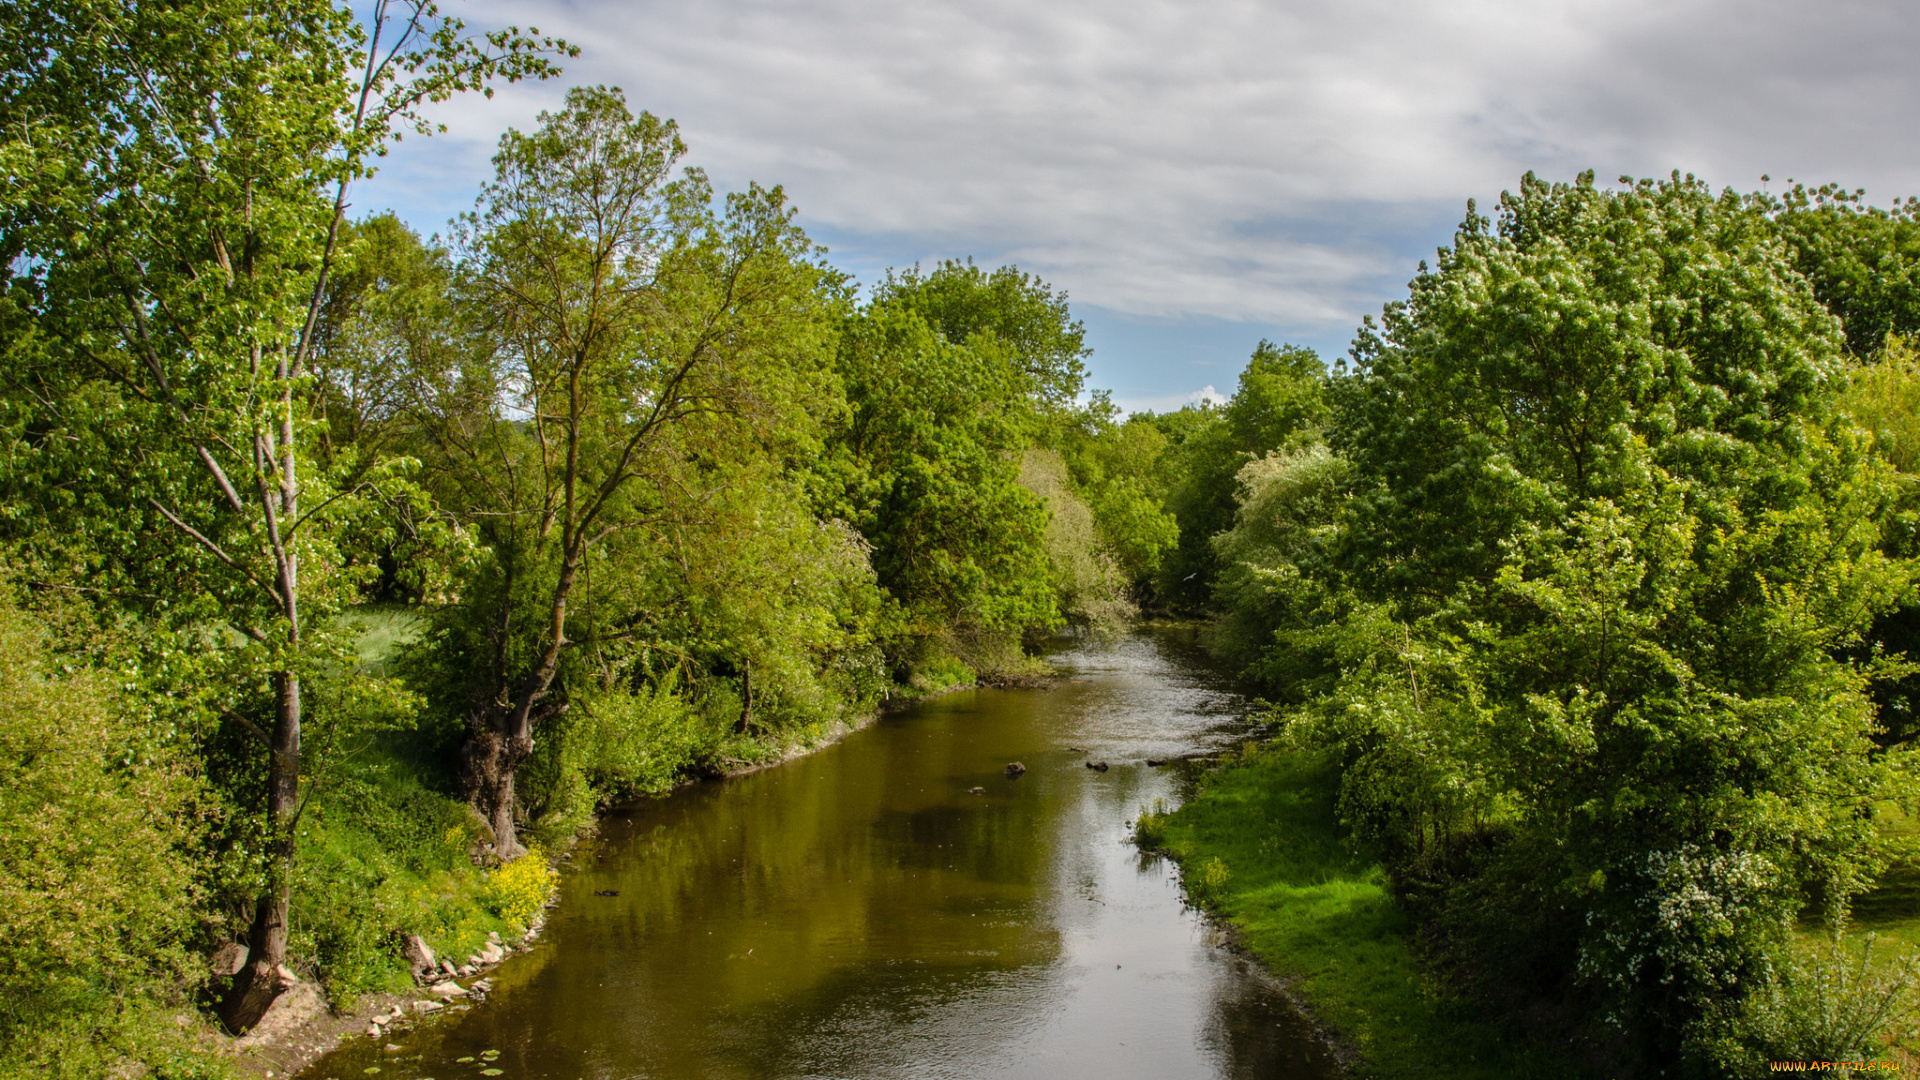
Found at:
(928, 470)
(1276, 579)
(1278, 405)
(969, 306)
(1117, 468)
(631, 346)
(176, 177)
(1611, 532)
(1863, 260)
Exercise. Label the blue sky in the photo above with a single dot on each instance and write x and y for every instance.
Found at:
(1198, 175)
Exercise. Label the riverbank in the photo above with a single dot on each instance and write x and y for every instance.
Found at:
(310, 1021)
(897, 898)
(1261, 847)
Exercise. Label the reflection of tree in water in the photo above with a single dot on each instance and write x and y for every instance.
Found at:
(858, 913)
(1253, 1032)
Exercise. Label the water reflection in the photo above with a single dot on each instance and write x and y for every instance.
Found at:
(858, 913)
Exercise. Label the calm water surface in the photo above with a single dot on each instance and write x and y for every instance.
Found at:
(858, 914)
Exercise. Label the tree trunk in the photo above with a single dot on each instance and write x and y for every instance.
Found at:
(488, 761)
(500, 738)
(265, 975)
(745, 723)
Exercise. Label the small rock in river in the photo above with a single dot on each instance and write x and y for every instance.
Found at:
(1097, 766)
(1155, 762)
(606, 892)
(976, 791)
(1014, 768)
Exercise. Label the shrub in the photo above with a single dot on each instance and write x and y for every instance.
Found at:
(1150, 828)
(517, 891)
(98, 880)
(1829, 1004)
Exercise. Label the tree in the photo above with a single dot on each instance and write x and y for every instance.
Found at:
(1278, 405)
(177, 177)
(966, 305)
(1117, 467)
(629, 343)
(928, 469)
(1609, 535)
(1863, 260)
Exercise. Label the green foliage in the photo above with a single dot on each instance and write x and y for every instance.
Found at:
(100, 870)
(1004, 310)
(1863, 261)
(613, 413)
(1884, 398)
(1150, 828)
(1089, 586)
(933, 667)
(1261, 844)
(1280, 404)
(373, 837)
(1580, 623)
(1829, 1003)
(619, 744)
(1273, 585)
(931, 474)
(1117, 469)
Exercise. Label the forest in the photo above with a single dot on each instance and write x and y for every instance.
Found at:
(346, 573)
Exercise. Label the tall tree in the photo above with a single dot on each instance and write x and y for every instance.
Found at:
(1278, 404)
(631, 339)
(177, 180)
(1618, 539)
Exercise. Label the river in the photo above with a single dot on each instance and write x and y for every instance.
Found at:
(860, 913)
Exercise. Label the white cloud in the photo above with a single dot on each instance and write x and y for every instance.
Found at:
(1281, 163)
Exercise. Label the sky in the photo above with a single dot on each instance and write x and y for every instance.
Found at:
(1197, 176)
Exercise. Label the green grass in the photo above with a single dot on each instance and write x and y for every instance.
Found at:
(1891, 909)
(383, 845)
(381, 630)
(1261, 845)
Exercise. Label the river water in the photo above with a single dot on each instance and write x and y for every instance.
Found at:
(858, 913)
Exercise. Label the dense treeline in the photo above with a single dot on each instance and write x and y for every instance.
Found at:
(346, 568)
(1594, 569)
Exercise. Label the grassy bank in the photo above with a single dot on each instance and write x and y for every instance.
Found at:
(387, 841)
(1261, 845)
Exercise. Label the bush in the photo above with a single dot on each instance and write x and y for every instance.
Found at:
(1150, 828)
(381, 854)
(517, 891)
(99, 880)
(618, 744)
(1829, 1004)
